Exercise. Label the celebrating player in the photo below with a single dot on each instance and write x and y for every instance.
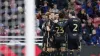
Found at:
(59, 33)
(74, 25)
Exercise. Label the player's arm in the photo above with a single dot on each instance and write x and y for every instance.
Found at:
(44, 27)
(53, 30)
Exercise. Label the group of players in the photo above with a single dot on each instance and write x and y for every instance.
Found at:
(61, 34)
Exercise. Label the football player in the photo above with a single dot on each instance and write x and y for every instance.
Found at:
(59, 33)
(74, 32)
(48, 35)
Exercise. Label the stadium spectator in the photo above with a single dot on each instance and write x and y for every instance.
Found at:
(94, 37)
(99, 41)
(86, 37)
(89, 27)
(98, 30)
(55, 10)
(62, 4)
(98, 8)
(80, 2)
(39, 14)
(12, 17)
(39, 3)
(45, 7)
(82, 15)
(88, 8)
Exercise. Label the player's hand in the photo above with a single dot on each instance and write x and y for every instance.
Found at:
(48, 28)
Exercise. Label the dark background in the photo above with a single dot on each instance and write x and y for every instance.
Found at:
(90, 50)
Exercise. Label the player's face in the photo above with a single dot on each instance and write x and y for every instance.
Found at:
(56, 16)
(52, 16)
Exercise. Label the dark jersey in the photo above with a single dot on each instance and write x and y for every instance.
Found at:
(59, 28)
(74, 25)
(45, 32)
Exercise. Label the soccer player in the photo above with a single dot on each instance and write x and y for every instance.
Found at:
(48, 36)
(74, 30)
(59, 33)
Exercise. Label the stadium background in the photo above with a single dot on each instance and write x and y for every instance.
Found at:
(12, 25)
(91, 14)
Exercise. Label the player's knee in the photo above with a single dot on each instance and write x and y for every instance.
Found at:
(49, 49)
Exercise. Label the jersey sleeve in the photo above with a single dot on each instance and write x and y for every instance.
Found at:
(44, 27)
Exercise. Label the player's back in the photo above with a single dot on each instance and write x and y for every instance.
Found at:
(60, 28)
(74, 25)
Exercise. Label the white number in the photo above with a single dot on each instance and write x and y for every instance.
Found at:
(75, 29)
(60, 29)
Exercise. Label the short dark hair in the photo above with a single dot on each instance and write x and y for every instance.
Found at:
(72, 13)
(61, 15)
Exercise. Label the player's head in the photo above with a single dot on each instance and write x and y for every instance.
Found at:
(72, 14)
(52, 15)
(61, 15)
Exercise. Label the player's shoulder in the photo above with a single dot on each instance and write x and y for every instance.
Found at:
(74, 19)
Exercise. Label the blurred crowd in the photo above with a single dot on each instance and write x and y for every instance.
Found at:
(87, 10)
(12, 18)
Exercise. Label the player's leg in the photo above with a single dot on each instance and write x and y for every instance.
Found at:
(51, 47)
(76, 44)
(70, 53)
(70, 48)
(63, 46)
(44, 48)
(79, 47)
(57, 47)
(71, 45)
(63, 50)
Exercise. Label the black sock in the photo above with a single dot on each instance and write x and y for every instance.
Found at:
(64, 53)
(70, 53)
